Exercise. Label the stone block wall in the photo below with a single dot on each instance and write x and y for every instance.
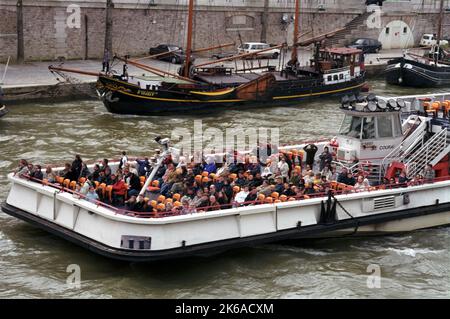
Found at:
(138, 26)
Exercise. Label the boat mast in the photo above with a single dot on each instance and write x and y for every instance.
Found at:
(189, 39)
(441, 14)
(294, 56)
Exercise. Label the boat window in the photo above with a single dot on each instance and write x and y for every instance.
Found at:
(329, 78)
(351, 126)
(397, 127)
(384, 126)
(246, 46)
(335, 77)
(341, 76)
(368, 131)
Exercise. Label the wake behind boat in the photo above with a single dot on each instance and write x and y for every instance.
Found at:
(392, 153)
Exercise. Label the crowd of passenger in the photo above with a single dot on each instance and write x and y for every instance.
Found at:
(186, 186)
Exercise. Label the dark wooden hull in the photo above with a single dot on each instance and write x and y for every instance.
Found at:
(412, 73)
(124, 98)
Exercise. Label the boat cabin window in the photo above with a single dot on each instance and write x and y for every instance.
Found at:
(385, 126)
(368, 131)
(351, 126)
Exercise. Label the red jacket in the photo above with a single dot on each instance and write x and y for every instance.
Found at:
(119, 187)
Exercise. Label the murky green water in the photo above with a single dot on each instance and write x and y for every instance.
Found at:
(33, 263)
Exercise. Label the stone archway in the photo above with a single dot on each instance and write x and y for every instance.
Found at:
(396, 35)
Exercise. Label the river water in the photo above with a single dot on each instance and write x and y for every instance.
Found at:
(33, 263)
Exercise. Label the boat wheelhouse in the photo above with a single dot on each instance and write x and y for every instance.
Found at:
(339, 210)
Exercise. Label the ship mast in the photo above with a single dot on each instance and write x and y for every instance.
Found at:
(294, 56)
(441, 14)
(189, 39)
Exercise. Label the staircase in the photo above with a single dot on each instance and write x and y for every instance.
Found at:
(351, 31)
(434, 150)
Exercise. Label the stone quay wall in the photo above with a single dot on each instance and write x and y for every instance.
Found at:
(76, 29)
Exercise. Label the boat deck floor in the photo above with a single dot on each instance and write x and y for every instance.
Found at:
(241, 78)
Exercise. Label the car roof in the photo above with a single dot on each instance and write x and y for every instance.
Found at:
(255, 43)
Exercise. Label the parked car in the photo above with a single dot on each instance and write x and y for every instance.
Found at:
(374, 2)
(366, 45)
(175, 54)
(429, 39)
(250, 47)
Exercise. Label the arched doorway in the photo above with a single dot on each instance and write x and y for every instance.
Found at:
(396, 35)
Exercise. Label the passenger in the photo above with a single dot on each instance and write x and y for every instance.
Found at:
(342, 177)
(22, 170)
(123, 159)
(279, 186)
(310, 150)
(85, 172)
(105, 164)
(210, 166)
(92, 195)
(295, 178)
(143, 166)
(284, 168)
(213, 204)
(76, 167)
(403, 179)
(134, 184)
(242, 195)
(429, 173)
(96, 173)
(241, 180)
(86, 186)
(361, 184)
(252, 196)
(119, 189)
(287, 190)
(67, 172)
(37, 172)
(325, 159)
(332, 175)
(49, 175)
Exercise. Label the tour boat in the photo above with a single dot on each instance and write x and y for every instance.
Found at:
(379, 135)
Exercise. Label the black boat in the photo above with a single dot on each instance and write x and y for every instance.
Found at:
(422, 71)
(414, 73)
(337, 72)
(331, 72)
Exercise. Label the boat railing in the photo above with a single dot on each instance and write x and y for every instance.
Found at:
(399, 153)
(334, 187)
(428, 153)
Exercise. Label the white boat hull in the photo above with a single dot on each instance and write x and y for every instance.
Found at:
(112, 234)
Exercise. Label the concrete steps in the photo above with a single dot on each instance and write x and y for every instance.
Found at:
(351, 30)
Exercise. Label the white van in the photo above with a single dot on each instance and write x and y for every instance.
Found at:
(429, 39)
(250, 47)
